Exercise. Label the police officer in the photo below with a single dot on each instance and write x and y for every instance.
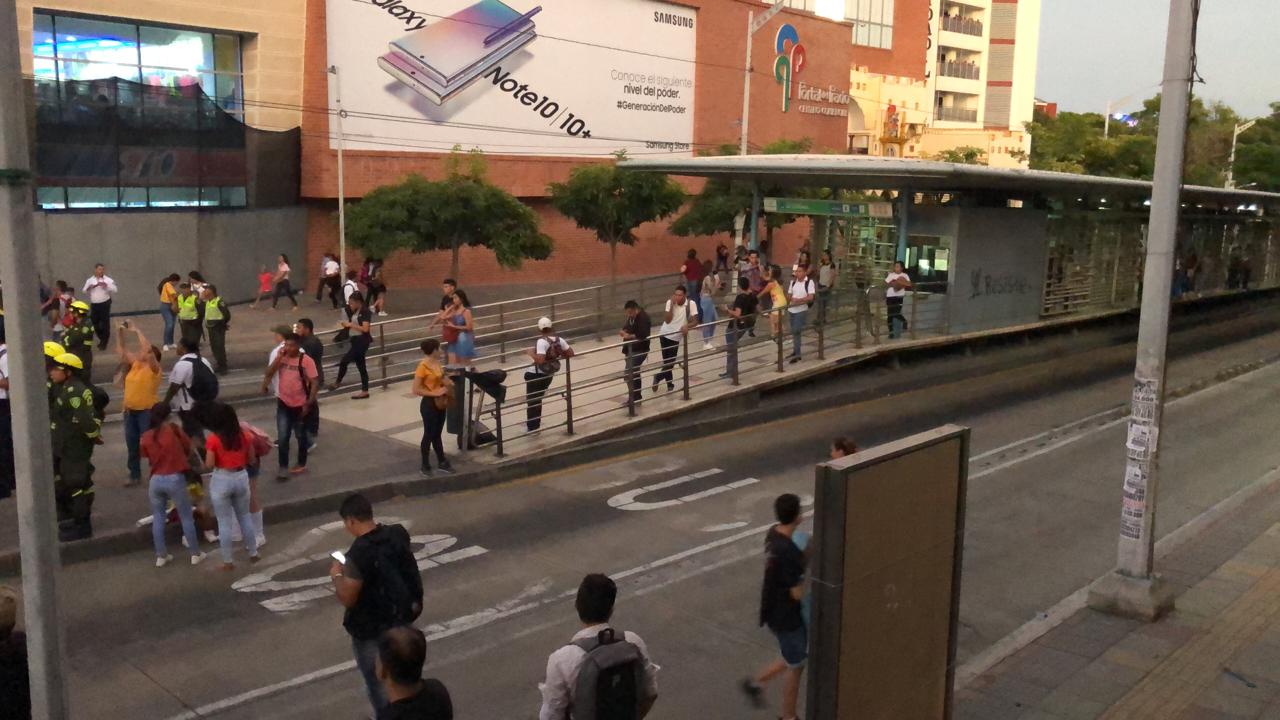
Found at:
(51, 352)
(74, 429)
(187, 308)
(78, 339)
(217, 320)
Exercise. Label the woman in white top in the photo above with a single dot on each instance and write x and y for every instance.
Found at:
(681, 316)
(897, 284)
(283, 288)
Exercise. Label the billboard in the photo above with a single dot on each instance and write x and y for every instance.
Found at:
(569, 78)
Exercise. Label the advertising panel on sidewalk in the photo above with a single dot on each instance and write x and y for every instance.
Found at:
(570, 78)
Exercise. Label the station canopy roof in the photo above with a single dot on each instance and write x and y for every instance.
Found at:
(862, 172)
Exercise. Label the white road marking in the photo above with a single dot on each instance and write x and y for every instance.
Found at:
(1045, 434)
(724, 527)
(628, 500)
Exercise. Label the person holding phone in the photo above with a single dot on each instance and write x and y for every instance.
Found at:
(141, 388)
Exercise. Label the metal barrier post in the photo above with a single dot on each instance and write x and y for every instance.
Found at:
(915, 300)
(630, 375)
(382, 352)
(778, 337)
(684, 345)
(738, 335)
(599, 313)
(502, 336)
(822, 350)
(857, 325)
(568, 394)
(497, 422)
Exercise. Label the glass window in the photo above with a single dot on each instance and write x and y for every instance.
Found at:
(42, 36)
(175, 196)
(133, 197)
(51, 198)
(92, 197)
(95, 49)
(234, 197)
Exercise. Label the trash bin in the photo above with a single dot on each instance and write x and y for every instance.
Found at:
(455, 416)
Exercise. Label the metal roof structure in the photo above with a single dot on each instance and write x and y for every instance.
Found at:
(862, 172)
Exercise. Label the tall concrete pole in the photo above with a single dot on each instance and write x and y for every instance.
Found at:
(1133, 589)
(746, 84)
(33, 461)
(342, 176)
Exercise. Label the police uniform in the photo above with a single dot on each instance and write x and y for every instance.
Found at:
(73, 428)
(78, 340)
(217, 318)
(189, 318)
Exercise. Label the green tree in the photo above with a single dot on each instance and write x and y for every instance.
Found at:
(612, 203)
(965, 155)
(463, 209)
(714, 209)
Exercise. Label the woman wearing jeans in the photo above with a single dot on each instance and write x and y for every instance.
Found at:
(141, 383)
(229, 450)
(429, 384)
(283, 288)
(167, 450)
(168, 293)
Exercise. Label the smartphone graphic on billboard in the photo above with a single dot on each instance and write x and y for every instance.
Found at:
(445, 57)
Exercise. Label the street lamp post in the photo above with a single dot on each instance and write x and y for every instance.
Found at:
(342, 200)
(1231, 162)
(753, 24)
(1133, 589)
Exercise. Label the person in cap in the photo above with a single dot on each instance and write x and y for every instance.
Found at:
(78, 339)
(546, 354)
(74, 429)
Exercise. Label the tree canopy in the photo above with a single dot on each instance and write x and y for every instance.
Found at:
(713, 210)
(463, 209)
(612, 203)
(965, 155)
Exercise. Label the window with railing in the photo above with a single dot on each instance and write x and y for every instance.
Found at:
(956, 114)
(963, 69)
(963, 25)
(78, 48)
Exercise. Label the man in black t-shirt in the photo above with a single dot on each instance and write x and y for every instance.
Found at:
(743, 311)
(780, 609)
(380, 586)
(314, 349)
(402, 652)
(636, 329)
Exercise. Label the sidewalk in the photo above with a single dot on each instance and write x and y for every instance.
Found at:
(1216, 656)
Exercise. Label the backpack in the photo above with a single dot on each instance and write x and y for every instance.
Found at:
(550, 364)
(204, 384)
(610, 678)
(399, 603)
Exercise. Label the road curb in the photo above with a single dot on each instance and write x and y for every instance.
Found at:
(120, 542)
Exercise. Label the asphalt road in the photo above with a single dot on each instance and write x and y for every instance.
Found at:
(1043, 510)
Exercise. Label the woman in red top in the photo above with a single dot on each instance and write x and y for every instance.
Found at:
(229, 450)
(167, 450)
(692, 271)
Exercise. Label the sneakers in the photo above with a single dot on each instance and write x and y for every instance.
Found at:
(446, 468)
(312, 446)
(162, 561)
(362, 395)
(382, 314)
(794, 359)
(754, 693)
(210, 536)
(282, 476)
(297, 469)
(708, 346)
(198, 558)
(262, 540)
(426, 472)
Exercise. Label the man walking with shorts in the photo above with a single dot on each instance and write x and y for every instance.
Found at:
(780, 608)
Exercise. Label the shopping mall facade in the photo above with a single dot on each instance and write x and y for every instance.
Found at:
(211, 127)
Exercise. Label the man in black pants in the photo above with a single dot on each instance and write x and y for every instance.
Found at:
(100, 288)
(357, 323)
(636, 329)
(681, 316)
(546, 354)
(314, 349)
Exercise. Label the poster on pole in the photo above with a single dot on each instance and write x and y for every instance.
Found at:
(570, 78)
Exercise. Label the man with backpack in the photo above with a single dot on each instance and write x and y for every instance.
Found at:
(192, 385)
(546, 354)
(603, 673)
(297, 385)
(379, 584)
(801, 294)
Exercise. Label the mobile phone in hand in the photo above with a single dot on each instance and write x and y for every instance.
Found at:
(337, 555)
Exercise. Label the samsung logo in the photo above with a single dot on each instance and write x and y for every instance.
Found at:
(665, 18)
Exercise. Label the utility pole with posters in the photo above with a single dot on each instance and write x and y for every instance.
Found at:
(33, 456)
(1133, 589)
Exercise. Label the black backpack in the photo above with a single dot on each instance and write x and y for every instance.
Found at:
(611, 679)
(204, 384)
(398, 601)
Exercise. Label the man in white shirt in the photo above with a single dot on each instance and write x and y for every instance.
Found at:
(897, 284)
(801, 292)
(350, 287)
(680, 316)
(596, 597)
(180, 380)
(330, 277)
(100, 288)
(546, 354)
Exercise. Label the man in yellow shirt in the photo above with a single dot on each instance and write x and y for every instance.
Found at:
(141, 391)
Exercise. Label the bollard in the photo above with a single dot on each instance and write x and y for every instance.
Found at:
(778, 339)
(738, 336)
(857, 325)
(502, 335)
(497, 422)
(568, 395)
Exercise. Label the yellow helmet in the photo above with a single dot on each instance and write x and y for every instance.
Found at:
(67, 360)
(52, 349)
(80, 305)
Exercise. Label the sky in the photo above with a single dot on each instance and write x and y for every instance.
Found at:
(1092, 51)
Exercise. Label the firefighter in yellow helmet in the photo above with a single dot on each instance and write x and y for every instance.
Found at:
(78, 339)
(74, 429)
(51, 352)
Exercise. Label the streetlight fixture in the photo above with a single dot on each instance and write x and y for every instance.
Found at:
(1231, 162)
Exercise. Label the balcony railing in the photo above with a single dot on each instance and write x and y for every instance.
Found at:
(955, 114)
(966, 26)
(959, 69)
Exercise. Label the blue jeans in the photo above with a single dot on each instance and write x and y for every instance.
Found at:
(163, 489)
(166, 312)
(707, 317)
(366, 652)
(136, 422)
(290, 422)
(797, 327)
(732, 336)
(229, 492)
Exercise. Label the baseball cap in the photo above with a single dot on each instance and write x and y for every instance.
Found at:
(544, 323)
